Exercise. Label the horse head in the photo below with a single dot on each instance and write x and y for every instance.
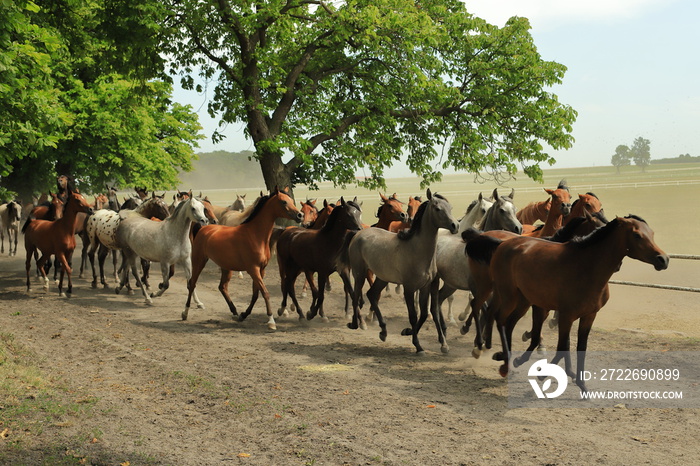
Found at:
(285, 205)
(502, 214)
(640, 243)
(391, 210)
(350, 214)
(77, 203)
(561, 200)
(196, 211)
(310, 212)
(441, 212)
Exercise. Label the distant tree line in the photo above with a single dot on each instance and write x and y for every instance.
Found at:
(683, 158)
(639, 152)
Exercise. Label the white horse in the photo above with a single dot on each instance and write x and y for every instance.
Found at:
(406, 258)
(453, 264)
(167, 242)
(475, 212)
(10, 215)
(101, 229)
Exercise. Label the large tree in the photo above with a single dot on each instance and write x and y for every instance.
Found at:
(641, 152)
(329, 89)
(117, 123)
(621, 158)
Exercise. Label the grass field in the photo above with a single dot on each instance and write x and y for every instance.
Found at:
(664, 195)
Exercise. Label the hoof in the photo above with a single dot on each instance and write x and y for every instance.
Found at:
(325, 319)
(352, 326)
(499, 356)
(526, 335)
(552, 323)
(462, 316)
(62, 295)
(363, 325)
(94, 285)
(445, 349)
(309, 316)
(407, 331)
(303, 294)
(271, 327)
(105, 286)
(130, 292)
(81, 276)
(476, 352)
(200, 306)
(185, 313)
(541, 350)
(281, 311)
(382, 336)
(420, 353)
(117, 290)
(464, 330)
(149, 302)
(503, 370)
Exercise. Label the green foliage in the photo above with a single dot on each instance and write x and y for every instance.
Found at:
(641, 152)
(102, 119)
(355, 86)
(621, 158)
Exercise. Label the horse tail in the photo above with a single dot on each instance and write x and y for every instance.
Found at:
(470, 233)
(481, 248)
(343, 260)
(26, 223)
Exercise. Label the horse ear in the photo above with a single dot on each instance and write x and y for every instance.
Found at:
(383, 197)
(354, 199)
(342, 201)
(481, 197)
(429, 194)
(313, 201)
(512, 194)
(325, 203)
(495, 194)
(549, 191)
(393, 196)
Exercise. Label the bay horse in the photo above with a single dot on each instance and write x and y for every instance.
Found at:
(406, 258)
(243, 247)
(164, 241)
(570, 277)
(414, 203)
(560, 208)
(101, 230)
(55, 238)
(390, 210)
(48, 210)
(315, 251)
(588, 202)
(310, 211)
(481, 281)
(10, 216)
(453, 265)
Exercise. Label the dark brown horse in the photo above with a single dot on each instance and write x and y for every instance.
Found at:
(314, 251)
(560, 208)
(54, 238)
(243, 247)
(570, 277)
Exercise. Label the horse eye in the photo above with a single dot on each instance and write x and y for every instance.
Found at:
(637, 235)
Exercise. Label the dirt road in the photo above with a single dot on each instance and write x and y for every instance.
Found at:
(212, 391)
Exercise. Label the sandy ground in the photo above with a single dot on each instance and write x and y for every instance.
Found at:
(212, 390)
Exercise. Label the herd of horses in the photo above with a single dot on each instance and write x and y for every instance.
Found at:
(495, 251)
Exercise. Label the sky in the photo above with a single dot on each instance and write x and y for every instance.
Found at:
(633, 71)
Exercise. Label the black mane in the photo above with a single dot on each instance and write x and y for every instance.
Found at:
(258, 207)
(601, 233)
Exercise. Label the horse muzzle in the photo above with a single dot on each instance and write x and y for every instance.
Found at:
(661, 262)
(299, 217)
(454, 227)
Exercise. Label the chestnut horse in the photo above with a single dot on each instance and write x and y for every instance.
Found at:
(314, 251)
(560, 208)
(390, 210)
(530, 271)
(310, 211)
(55, 238)
(588, 202)
(243, 247)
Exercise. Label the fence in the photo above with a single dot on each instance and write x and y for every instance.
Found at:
(663, 287)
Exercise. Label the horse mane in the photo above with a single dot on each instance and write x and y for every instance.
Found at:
(562, 185)
(333, 217)
(409, 233)
(566, 233)
(472, 205)
(601, 233)
(257, 207)
(178, 207)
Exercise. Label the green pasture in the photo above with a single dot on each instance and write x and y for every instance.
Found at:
(665, 195)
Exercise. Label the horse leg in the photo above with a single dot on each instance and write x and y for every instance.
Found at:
(373, 295)
(584, 328)
(114, 264)
(438, 318)
(165, 271)
(415, 321)
(553, 321)
(66, 269)
(538, 317)
(564, 345)
(347, 287)
(197, 267)
(187, 267)
(317, 305)
(357, 320)
(223, 289)
(83, 253)
(40, 267)
(28, 264)
(146, 268)
(102, 254)
(291, 278)
(463, 315)
(259, 287)
(91, 258)
(283, 311)
(447, 292)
